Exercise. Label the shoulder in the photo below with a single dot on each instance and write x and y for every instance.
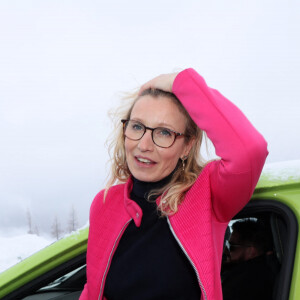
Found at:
(104, 197)
(203, 181)
(97, 203)
(115, 190)
(202, 185)
(206, 170)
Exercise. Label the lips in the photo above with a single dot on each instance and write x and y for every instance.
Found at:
(145, 160)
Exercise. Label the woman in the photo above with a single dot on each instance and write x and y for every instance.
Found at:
(160, 234)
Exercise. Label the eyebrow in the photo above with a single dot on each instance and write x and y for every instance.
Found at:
(164, 125)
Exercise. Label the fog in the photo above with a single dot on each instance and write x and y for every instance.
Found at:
(65, 64)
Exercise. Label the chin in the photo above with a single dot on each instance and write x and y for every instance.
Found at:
(146, 177)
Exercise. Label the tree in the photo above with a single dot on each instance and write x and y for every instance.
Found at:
(73, 220)
(56, 229)
(36, 230)
(29, 222)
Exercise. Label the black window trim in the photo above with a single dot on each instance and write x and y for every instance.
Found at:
(34, 285)
(264, 206)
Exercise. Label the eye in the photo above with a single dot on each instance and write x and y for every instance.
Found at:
(164, 132)
(137, 126)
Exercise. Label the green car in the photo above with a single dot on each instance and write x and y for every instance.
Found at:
(58, 271)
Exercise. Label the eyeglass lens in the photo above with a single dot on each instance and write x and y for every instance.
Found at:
(162, 137)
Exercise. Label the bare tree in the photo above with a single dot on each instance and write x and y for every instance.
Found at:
(36, 230)
(73, 220)
(56, 229)
(29, 222)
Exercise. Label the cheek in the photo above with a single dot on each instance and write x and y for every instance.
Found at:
(170, 157)
(129, 145)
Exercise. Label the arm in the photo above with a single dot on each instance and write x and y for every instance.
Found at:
(84, 294)
(95, 208)
(241, 147)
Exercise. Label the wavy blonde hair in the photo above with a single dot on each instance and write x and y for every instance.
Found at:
(173, 193)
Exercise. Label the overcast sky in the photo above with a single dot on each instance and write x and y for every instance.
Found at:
(64, 64)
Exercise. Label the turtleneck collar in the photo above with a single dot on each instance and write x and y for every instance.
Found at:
(142, 189)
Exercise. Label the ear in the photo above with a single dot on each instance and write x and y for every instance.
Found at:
(187, 147)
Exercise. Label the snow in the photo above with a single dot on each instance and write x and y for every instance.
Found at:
(17, 245)
(16, 248)
(282, 171)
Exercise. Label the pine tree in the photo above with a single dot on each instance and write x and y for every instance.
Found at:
(73, 220)
(36, 230)
(29, 222)
(56, 229)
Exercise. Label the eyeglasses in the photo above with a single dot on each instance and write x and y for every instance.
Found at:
(161, 137)
(233, 247)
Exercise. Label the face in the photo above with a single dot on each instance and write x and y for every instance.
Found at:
(146, 161)
(237, 252)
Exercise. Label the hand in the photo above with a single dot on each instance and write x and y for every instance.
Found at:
(162, 82)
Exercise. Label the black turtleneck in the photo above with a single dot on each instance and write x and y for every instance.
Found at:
(148, 262)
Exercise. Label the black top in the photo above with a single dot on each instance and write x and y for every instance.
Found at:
(148, 262)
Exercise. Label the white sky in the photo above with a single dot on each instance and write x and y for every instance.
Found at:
(63, 65)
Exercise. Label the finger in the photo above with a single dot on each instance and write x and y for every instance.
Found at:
(163, 82)
(147, 85)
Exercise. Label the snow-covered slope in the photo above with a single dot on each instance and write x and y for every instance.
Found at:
(14, 249)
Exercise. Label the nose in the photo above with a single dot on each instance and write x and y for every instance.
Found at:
(146, 142)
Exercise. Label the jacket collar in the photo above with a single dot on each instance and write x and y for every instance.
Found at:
(134, 211)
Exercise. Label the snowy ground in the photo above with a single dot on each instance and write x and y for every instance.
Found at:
(16, 248)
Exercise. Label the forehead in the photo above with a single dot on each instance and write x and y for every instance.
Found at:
(158, 111)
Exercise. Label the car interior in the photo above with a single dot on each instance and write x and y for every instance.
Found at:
(67, 280)
(283, 228)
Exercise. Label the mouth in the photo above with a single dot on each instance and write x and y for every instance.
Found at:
(144, 160)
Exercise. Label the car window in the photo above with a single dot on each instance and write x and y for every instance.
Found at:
(66, 281)
(274, 269)
(68, 286)
(73, 280)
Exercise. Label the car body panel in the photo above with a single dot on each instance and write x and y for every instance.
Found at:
(43, 261)
(284, 186)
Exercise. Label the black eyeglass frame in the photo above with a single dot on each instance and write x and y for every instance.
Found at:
(124, 121)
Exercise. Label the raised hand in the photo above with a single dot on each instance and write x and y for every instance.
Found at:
(163, 82)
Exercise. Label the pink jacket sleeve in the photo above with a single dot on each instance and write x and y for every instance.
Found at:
(241, 147)
(96, 206)
(84, 294)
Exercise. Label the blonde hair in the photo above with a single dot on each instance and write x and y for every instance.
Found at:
(182, 179)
